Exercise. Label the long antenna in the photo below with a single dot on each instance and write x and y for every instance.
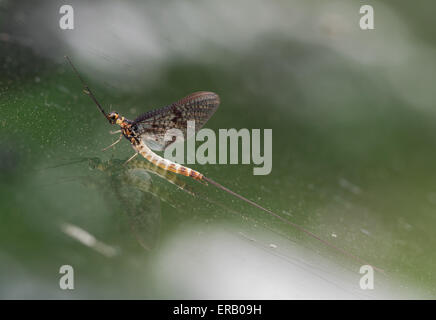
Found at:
(86, 89)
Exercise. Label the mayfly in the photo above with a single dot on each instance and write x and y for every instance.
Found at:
(147, 133)
(129, 188)
(120, 178)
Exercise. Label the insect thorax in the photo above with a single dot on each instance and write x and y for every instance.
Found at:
(127, 130)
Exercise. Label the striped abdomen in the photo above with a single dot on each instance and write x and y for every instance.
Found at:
(165, 164)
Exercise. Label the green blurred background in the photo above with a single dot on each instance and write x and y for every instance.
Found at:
(352, 114)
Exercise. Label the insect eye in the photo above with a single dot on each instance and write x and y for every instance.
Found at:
(113, 116)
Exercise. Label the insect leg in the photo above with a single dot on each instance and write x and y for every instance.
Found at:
(131, 158)
(119, 139)
(115, 132)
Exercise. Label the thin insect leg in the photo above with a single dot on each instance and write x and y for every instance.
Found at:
(115, 132)
(66, 164)
(119, 139)
(131, 158)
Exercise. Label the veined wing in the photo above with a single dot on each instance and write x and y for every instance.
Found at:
(152, 125)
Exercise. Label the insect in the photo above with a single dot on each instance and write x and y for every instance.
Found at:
(147, 132)
(131, 189)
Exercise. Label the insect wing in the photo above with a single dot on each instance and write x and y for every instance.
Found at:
(152, 126)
